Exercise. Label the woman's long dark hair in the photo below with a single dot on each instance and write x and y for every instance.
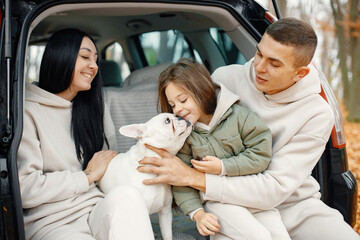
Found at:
(56, 71)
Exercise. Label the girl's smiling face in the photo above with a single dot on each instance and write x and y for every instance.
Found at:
(183, 104)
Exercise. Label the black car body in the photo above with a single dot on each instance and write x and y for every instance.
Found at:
(25, 23)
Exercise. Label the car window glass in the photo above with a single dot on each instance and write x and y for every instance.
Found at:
(32, 63)
(115, 52)
(165, 47)
(227, 47)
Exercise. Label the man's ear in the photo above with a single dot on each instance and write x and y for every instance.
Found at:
(301, 72)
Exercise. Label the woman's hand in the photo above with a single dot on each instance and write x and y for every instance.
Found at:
(171, 170)
(98, 164)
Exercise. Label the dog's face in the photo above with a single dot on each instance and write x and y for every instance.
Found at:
(162, 131)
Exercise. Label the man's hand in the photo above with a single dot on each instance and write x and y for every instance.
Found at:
(210, 164)
(206, 223)
(171, 170)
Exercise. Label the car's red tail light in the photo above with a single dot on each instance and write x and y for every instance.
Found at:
(338, 132)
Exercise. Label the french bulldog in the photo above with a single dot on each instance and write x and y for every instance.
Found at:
(162, 131)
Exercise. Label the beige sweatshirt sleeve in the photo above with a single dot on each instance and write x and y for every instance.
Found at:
(39, 185)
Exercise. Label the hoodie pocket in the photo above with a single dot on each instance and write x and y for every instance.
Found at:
(199, 152)
(233, 145)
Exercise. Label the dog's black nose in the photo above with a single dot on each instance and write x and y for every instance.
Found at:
(188, 123)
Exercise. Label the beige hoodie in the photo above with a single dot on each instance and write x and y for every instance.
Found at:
(53, 187)
(300, 121)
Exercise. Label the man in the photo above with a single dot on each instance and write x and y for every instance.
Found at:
(280, 86)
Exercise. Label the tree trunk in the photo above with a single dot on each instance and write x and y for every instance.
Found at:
(353, 105)
(354, 99)
(347, 25)
(354, 34)
(342, 55)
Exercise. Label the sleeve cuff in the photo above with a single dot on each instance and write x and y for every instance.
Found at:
(223, 169)
(214, 189)
(82, 182)
(192, 213)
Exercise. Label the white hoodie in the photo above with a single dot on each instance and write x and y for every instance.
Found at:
(54, 189)
(300, 121)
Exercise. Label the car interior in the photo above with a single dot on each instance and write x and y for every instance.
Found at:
(136, 41)
(130, 74)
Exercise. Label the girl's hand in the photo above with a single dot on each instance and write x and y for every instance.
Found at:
(206, 223)
(98, 164)
(209, 164)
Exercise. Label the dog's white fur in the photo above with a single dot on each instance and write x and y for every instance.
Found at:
(162, 131)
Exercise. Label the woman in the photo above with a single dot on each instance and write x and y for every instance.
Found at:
(64, 151)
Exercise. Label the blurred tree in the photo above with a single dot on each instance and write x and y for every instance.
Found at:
(347, 26)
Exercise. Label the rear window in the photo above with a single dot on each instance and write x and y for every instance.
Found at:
(230, 52)
(115, 53)
(34, 55)
(166, 47)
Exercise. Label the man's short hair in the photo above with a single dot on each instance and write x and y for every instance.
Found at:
(298, 34)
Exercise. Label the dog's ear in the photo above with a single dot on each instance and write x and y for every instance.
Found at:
(132, 130)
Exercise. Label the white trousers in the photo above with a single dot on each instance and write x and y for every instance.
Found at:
(241, 223)
(305, 220)
(313, 219)
(122, 214)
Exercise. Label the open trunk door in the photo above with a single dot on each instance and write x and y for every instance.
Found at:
(11, 217)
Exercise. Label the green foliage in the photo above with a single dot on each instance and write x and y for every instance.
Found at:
(151, 56)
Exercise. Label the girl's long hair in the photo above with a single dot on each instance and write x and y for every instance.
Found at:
(192, 77)
(56, 71)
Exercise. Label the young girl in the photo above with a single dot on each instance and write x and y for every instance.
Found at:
(227, 139)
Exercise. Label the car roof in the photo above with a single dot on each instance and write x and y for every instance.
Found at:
(122, 20)
(111, 21)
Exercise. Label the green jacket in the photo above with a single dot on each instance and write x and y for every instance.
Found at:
(239, 138)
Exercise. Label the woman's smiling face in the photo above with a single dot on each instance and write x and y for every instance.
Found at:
(85, 70)
(86, 67)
